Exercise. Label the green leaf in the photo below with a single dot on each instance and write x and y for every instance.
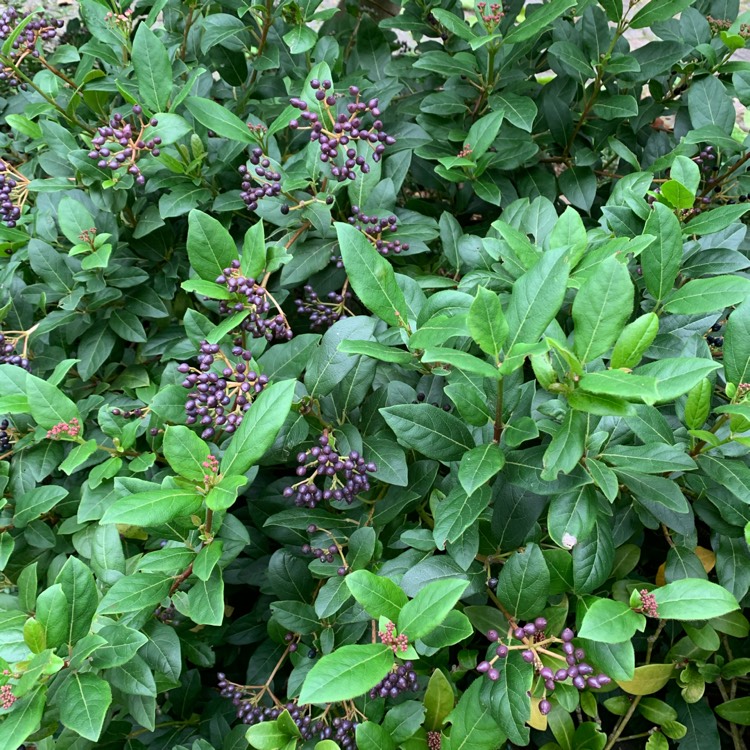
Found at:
(454, 24)
(26, 716)
(621, 384)
(49, 406)
(79, 589)
(437, 330)
(210, 247)
(737, 345)
(736, 711)
(377, 351)
(618, 106)
(461, 361)
(479, 465)
(693, 599)
(661, 260)
(206, 600)
(677, 375)
(429, 430)
(438, 701)
(153, 507)
(537, 297)
(369, 736)
(135, 592)
(455, 628)
(710, 104)
(457, 513)
(601, 308)
(609, 621)
(658, 10)
(186, 452)
(371, 276)
(268, 735)
(635, 338)
(379, 596)
(34, 503)
(486, 322)
(566, 447)
(534, 22)
(523, 584)
(473, 726)
(429, 607)
(509, 698)
(152, 69)
(578, 185)
(482, 133)
(708, 295)
(219, 119)
(715, 220)
(346, 673)
(84, 700)
(259, 428)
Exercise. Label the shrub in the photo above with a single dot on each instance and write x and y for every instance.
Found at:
(374, 389)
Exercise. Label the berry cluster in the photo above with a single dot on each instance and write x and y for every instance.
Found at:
(533, 642)
(5, 435)
(13, 194)
(167, 615)
(649, 606)
(120, 143)
(434, 740)
(396, 642)
(245, 700)
(341, 732)
(706, 160)
(345, 476)
(421, 397)
(491, 16)
(8, 355)
(25, 44)
(130, 413)
(322, 314)
(743, 389)
(7, 699)
(717, 25)
(269, 180)
(400, 680)
(70, 429)
(715, 341)
(219, 399)
(375, 228)
(254, 298)
(342, 130)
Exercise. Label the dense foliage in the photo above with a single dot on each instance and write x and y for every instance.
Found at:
(375, 390)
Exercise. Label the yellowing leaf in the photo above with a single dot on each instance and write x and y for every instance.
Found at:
(647, 679)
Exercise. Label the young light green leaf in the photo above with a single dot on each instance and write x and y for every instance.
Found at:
(186, 452)
(661, 260)
(486, 322)
(693, 599)
(210, 247)
(346, 673)
(537, 297)
(259, 428)
(153, 507)
(152, 69)
(635, 338)
(379, 596)
(601, 308)
(429, 607)
(609, 621)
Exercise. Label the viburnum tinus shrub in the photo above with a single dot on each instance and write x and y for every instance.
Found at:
(374, 382)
